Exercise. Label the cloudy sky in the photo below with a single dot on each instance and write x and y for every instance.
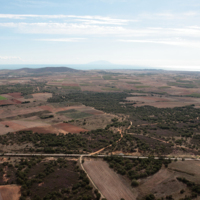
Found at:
(154, 33)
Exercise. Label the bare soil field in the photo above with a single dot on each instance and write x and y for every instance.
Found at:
(29, 124)
(13, 125)
(164, 102)
(164, 182)
(16, 95)
(189, 169)
(42, 96)
(111, 185)
(8, 102)
(45, 130)
(10, 192)
(46, 107)
(15, 111)
(4, 130)
(161, 184)
(69, 128)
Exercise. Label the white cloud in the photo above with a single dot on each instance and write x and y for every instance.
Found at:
(86, 18)
(62, 39)
(166, 42)
(169, 15)
(10, 58)
(98, 29)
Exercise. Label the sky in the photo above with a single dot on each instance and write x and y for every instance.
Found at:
(162, 34)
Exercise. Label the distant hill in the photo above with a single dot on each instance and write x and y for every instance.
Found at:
(45, 70)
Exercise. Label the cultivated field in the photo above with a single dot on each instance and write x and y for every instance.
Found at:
(10, 192)
(111, 185)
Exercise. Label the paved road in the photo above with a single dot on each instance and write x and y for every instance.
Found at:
(83, 155)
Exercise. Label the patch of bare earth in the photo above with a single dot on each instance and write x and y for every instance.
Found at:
(111, 185)
(42, 96)
(160, 184)
(13, 125)
(10, 192)
(69, 128)
(4, 129)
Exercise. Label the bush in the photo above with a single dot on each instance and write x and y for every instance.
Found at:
(134, 183)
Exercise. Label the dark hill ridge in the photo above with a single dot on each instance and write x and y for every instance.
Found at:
(46, 70)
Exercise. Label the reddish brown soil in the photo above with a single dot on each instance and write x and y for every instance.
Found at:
(70, 128)
(7, 102)
(13, 125)
(10, 192)
(49, 108)
(42, 96)
(4, 129)
(16, 101)
(43, 130)
(111, 185)
(15, 95)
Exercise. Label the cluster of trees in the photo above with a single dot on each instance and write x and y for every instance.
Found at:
(25, 89)
(136, 168)
(195, 188)
(69, 143)
(45, 171)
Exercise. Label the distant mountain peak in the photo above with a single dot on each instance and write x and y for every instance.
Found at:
(100, 62)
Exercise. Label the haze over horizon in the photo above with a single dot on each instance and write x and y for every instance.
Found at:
(159, 34)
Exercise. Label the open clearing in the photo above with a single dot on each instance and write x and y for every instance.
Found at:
(10, 192)
(111, 185)
(69, 128)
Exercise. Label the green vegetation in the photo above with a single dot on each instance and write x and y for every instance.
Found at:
(195, 95)
(48, 179)
(47, 116)
(134, 82)
(182, 84)
(71, 87)
(111, 88)
(195, 188)
(182, 122)
(164, 87)
(74, 114)
(109, 77)
(69, 143)
(25, 89)
(2, 98)
(135, 168)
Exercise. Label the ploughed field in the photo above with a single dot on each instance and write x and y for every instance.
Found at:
(111, 185)
(40, 116)
(174, 180)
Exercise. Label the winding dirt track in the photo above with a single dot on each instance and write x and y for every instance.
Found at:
(105, 180)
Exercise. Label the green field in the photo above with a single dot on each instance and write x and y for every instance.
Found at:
(164, 87)
(3, 98)
(134, 82)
